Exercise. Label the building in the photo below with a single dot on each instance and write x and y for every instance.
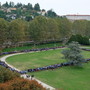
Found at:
(11, 9)
(0, 4)
(77, 17)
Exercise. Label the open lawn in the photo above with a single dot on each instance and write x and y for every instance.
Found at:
(36, 59)
(64, 78)
(31, 47)
(36, 46)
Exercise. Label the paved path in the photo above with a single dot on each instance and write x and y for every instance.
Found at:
(24, 75)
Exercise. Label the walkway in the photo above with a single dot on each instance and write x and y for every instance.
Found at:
(24, 75)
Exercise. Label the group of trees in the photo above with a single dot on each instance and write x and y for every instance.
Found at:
(41, 29)
(38, 30)
(20, 5)
(12, 81)
(81, 27)
(27, 12)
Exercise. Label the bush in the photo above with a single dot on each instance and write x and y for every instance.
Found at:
(6, 75)
(81, 39)
(21, 84)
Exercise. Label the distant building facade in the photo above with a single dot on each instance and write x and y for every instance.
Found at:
(0, 4)
(77, 17)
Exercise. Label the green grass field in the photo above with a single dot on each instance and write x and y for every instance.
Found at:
(36, 46)
(64, 78)
(36, 59)
(31, 47)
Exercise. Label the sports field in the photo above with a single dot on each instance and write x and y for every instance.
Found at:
(65, 78)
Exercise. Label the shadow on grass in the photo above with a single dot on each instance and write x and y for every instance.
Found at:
(76, 67)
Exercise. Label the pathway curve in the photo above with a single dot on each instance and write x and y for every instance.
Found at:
(24, 75)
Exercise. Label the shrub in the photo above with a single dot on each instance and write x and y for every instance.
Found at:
(6, 75)
(81, 39)
(21, 84)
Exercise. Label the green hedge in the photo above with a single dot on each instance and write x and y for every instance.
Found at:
(81, 39)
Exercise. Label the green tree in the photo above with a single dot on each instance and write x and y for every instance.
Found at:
(37, 7)
(11, 4)
(28, 18)
(73, 54)
(51, 13)
(87, 31)
(29, 6)
(6, 5)
(78, 38)
(65, 28)
(36, 27)
(3, 31)
(18, 5)
(42, 29)
(2, 14)
(53, 31)
(17, 30)
(79, 27)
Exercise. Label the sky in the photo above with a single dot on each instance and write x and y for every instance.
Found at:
(61, 7)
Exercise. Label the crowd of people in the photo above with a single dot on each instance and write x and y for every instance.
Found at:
(50, 67)
(31, 50)
(54, 66)
(85, 49)
(7, 66)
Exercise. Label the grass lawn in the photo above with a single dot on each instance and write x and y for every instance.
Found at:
(67, 78)
(36, 46)
(64, 78)
(31, 47)
(36, 59)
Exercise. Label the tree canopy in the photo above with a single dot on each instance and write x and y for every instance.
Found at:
(73, 54)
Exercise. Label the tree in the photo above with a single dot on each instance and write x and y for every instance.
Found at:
(2, 14)
(51, 13)
(3, 30)
(11, 4)
(79, 27)
(37, 7)
(17, 31)
(37, 28)
(29, 6)
(64, 26)
(78, 38)
(53, 31)
(6, 4)
(87, 31)
(73, 54)
(18, 5)
(28, 18)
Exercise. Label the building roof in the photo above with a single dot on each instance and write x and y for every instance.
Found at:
(77, 15)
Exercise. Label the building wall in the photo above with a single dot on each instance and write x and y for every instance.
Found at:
(78, 17)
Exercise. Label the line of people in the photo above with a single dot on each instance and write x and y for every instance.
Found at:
(31, 50)
(54, 66)
(85, 49)
(50, 67)
(8, 67)
(38, 49)
(41, 68)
